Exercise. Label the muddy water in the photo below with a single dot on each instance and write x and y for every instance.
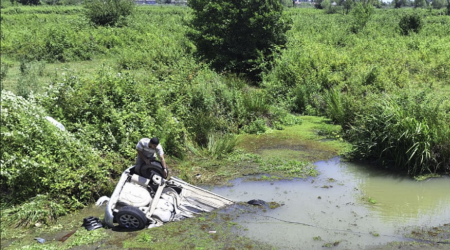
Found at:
(348, 206)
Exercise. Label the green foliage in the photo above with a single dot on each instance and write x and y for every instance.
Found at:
(85, 237)
(257, 126)
(108, 12)
(37, 158)
(219, 145)
(241, 37)
(42, 209)
(408, 132)
(361, 15)
(61, 45)
(290, 167)
(438, 4)
(346, 5)
(448, 7)
(326, 4)
(29, 2)
(399, 3)
(115, 104)
(335, 107)
(410, 23)
(155, 87)
(420, 4)
(318, 4)
(325, 73)
(28, 80)
(5, 4)
(4, 71)
(330, 7)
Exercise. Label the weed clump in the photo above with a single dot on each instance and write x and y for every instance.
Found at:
(410, 23)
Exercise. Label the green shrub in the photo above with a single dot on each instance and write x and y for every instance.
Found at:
(255, 103)
(238, 36)
(29, 2)
(39, 159)
(408, 132)
(108, 12)
(361, 15)
(41, 208)
(4, 71)
(5, 4)
(221, 145)
(335, 108)
(438, 4)
(28, 82)
(399, 3)
(448, 7)
(112, 112)
(57, 42)
(410, 23)
(347, 6)
(420, 4)
(258, 126)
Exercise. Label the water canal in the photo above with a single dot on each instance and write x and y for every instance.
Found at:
(348, 206)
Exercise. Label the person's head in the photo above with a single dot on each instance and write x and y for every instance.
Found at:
(153, 142)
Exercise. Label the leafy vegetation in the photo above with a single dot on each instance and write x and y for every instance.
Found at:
(49, 170)
(108, 12)
(410, 23)
(241, 37)
(110, 86)
(361, 15)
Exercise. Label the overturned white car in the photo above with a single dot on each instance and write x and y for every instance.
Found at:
(145, 199)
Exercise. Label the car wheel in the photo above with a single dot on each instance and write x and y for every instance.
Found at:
(131, 217)
(148, 171)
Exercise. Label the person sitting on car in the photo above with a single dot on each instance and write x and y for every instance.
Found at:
(147, 149)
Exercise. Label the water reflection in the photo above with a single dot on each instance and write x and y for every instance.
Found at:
(337, 204)
(400, 198)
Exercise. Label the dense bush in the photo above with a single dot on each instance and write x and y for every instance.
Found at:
(408, 132)
(361, 15)
(238, 36)
(448, 7)
(399, 3)
(108, 12)
(29, 2)
(410, 23)
(123, 110)
(38, 158)
(438, 4)
(420, 3)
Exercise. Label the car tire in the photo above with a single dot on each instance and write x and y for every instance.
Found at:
(148, 171)
(131, 217)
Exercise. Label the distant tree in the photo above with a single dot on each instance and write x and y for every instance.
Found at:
(29, 2)
(238, 36)
(377, 3)
(326, 4)
(448, 7)
(420, 4)
(361, 14)
(399, 3)
(108, 12)
(438, 4)
(346, 5)
(318, 4)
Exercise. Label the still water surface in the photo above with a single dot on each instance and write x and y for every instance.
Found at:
(335, 208)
